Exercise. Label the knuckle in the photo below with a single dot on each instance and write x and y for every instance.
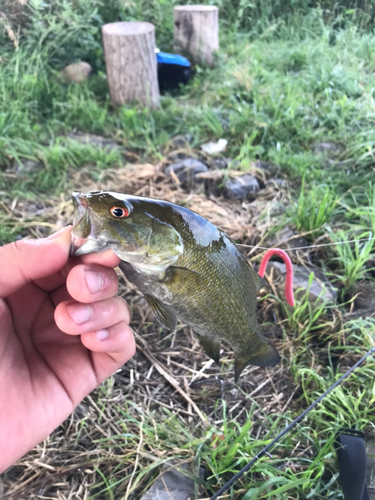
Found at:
(125, 310)
(130, 341)
(110, 308)
(3, 308)
(132, 348)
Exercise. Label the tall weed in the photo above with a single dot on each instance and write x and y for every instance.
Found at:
(352, 257)
(314, 208)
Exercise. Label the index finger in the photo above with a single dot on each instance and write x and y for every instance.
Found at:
(56, 280)
(107, 259)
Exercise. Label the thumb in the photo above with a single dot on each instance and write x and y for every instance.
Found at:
(28, 260)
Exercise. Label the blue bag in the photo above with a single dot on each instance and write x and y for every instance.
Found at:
(173, 70)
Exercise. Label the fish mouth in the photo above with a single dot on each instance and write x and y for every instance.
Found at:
(85, 227)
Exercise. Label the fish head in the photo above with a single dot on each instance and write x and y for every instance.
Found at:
(107, 220)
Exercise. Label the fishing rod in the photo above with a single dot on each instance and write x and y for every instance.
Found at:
(290, 427)
(361, 240)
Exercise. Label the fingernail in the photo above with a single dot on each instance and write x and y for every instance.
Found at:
(79, 313)
(94, 281)
(102, 334)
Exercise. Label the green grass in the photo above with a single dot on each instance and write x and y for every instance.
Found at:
(283, 83)
(314, 208)
(353, 257)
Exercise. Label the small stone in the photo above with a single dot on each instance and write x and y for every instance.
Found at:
(286, 239)
(330, 149)
(364, 293)
(32, 207)
(220, 163)
(29, 166)
(176, 156)
(276, 209)
(278, 182)
(338, 165)
(182, 141)
(172, 484)
(320, 289)
(95, 140)
(244, 187)
(77, 72)
(262, 165)
(187, 170)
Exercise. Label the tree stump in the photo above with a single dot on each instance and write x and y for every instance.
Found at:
(196, 31)
(129, 49)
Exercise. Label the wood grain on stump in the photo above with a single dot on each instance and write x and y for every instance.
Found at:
(196, 31)
(129, 49)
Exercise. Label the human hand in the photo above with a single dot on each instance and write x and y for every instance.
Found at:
(58, 339)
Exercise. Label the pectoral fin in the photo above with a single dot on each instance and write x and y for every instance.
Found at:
(181, 278)
(164, 314)
(211, 347)
(264, 355)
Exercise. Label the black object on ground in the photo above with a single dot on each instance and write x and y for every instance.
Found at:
(244, 187)
(173, 70)
(186, 171)
(351, 454)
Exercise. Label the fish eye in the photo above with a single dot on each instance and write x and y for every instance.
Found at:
(119, 212)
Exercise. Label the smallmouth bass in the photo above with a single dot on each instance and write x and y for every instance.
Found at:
(185, 266)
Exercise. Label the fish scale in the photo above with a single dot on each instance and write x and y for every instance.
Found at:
(186, 267)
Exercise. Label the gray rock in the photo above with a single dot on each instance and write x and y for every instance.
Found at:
(220, 163)
(339, 165)
(95, 140)
(279, 182)
(244, 187)
(77, 72)
(321, 289)
(182, 141)
(330, 149)
(286, 239)
(33, 207)
(187, 170)
(276, 209)
(262, 165)
(364, 293)
(172, 484)
(29, 166)
(175, 156)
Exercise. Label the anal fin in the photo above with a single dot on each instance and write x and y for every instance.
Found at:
(265, 355)
(164, 314)
(261, 283)
(211, 347)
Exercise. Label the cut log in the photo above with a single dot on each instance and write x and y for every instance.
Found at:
(196, 32)
(129, 49)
